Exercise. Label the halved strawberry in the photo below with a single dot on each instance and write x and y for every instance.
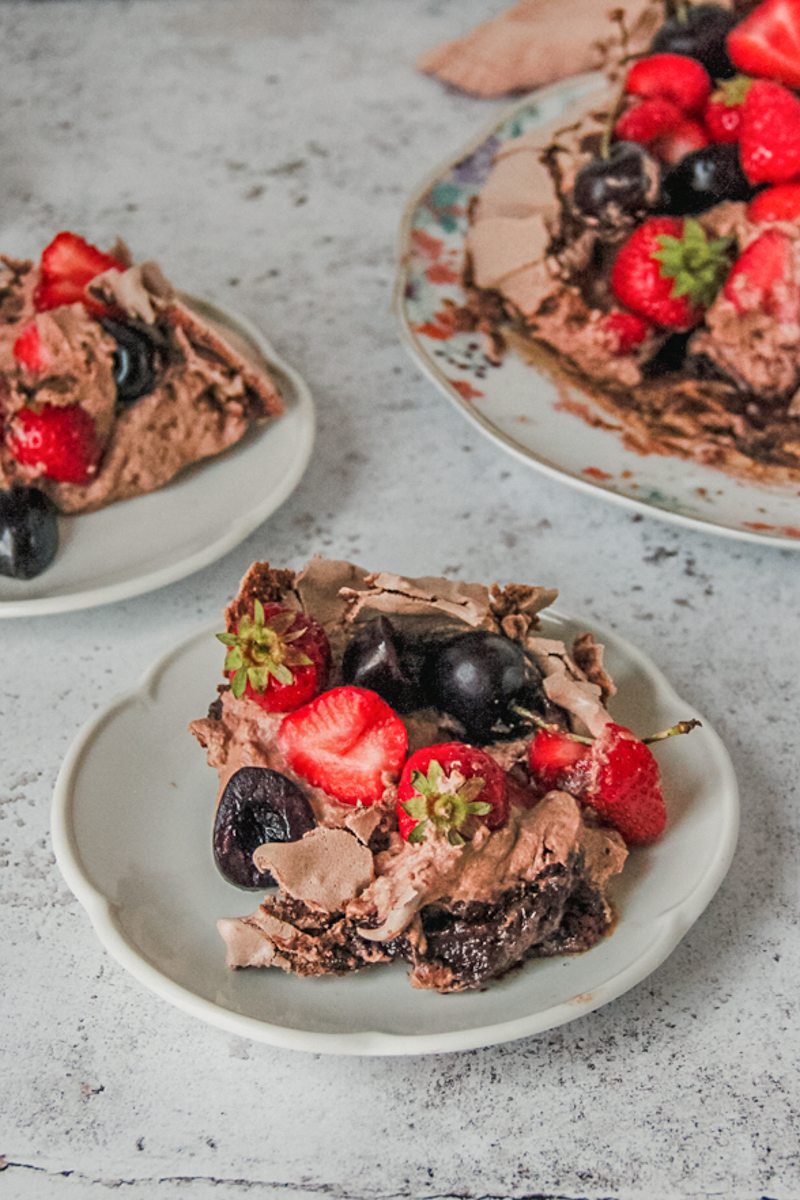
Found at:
(29, 351)
(762, 278)
(348, 742)
(68, 264)
(279, 658)
(767, 42)
(779, 203)
(60, 440)
(553, 757)
(449, 787)
(648, 119)
(674, 77)
(624, 332)
(684, 139)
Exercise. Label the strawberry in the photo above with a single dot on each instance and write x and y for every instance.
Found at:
(684, 139)
(348, 742)
(769, 141)
(668, 271)
(624, 332)
(60, 440)
(29, 351)
(723, 113)
(447, 787)
(647, 120)
(780, 203)
(277, 657)
(673, 77)
(767, 42)
(762, 278)
(68, 264)
(616, 775)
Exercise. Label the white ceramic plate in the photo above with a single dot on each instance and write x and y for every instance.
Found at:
(141, 544)
(520, 407)
(131, 824)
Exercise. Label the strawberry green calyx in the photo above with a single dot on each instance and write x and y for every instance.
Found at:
(697, 264)
(261, 649)
(448, 802)
(732, 92)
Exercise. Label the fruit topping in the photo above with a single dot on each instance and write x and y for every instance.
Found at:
(68, 264)
(28, 532)
(348, 741)
(770, 134)
(779, 203)
(703, 179)
(380, 658)
(767, 42)
(762, 278)
(135, 360)
(669, 271)
(60, 440)
(257, 806)
(450, 788)
(476, 678)
(674, 77)
(686, 138)
(698, 31)
(622, 182)
(29, 351)
(617, 775)
(624, 331)
(278, 657)
(723, 114)
(648, 120)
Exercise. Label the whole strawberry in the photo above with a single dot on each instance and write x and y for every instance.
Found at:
(449, 787)
(669, 271)
(60, 440)
(277, 657)
(769, 141)
(779, 203)
(723, 113)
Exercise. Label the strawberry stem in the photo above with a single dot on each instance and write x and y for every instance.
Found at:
(673, 731)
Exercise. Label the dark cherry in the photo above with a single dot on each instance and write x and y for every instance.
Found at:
(704, 178)
(475, 677)
(619, 183)
(28, 532)
(699, 32)
(380, 658)
(257, 806)
(135, 361)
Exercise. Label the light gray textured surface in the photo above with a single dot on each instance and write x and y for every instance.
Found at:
(262, 150)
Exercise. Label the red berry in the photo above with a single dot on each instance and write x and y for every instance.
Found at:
(29, 351)
(647, 120)
(624, 331)
(767, 42)
(684, 139)
(450, 787)
(617, 776)
(277, 657)
(348, 742)
(673, 77)
(769, 142)
(626, 789)
(68, 264)
(723, 114)
(779, 203)
(60, 440)
(762, 278)
(668, 271)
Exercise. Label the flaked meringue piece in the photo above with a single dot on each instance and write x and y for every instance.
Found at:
(537, 42)
(325, 869)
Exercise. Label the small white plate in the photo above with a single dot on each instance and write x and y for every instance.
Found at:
(131, 826)
(138, 545)
(520, 407)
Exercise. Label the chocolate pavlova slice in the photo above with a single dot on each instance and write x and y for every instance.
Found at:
(421, 773)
